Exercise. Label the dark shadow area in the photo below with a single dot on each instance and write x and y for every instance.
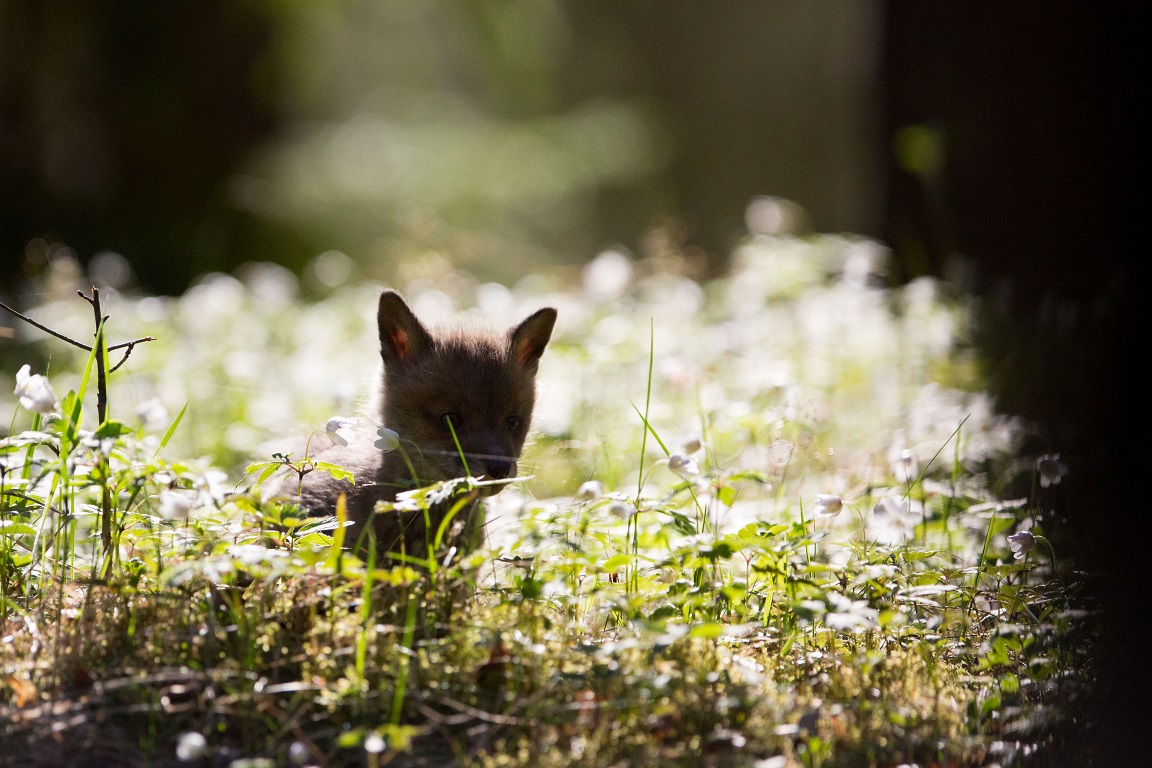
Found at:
(1019, 182)
(120, 125)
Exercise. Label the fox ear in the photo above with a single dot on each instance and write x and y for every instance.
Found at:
(402, 337)
(527, 340)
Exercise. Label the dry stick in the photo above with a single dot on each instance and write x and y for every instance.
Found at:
(102, 413)
(45, 328)
(101, 376)
(73, 342)
(131, 345)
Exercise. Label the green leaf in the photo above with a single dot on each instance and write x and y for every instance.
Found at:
(112, 429)
(397, 576)
(71, 409)
(264, 468)
(720, 550)
(618, 561)
(320, 524)
(259, 466)
(734, 592)
(293, 522)
(753, 476)
(727, 495)
(13, 528)
(399, 737)
(337, 550)
(709, 631)
(335, 470)
(314, 539)
(531, 588)
(681, 522)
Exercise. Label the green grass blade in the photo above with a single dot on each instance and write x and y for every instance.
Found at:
(651, 430)
(170, 431)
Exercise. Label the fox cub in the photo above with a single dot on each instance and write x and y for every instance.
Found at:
(461, 401)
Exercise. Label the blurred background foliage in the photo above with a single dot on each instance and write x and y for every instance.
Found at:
(990, 145)
(196, 136)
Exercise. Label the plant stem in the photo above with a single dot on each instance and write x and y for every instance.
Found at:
(634, 574)
(980, 565)
(101, 355)
(101, 374)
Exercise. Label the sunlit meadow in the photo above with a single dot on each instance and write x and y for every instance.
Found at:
(770, 519)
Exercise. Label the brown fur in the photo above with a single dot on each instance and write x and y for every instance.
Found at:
(485, 382)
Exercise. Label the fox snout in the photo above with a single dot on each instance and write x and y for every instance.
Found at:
(483, 459)
(499, 468)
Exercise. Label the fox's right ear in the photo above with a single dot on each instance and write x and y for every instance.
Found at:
(402, 337)
(527, 340)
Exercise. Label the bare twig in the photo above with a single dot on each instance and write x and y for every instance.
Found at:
(131, 346)
(73, 342)
(132, 343)
(45, 328)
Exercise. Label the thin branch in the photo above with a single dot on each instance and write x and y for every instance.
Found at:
(126, 345)
(129, 344)
(101, 373)
(48, 330)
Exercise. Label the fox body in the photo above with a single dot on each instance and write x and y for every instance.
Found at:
(461, 401)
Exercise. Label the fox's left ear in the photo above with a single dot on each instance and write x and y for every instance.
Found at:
(527, 340)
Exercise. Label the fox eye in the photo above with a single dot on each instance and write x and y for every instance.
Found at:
(513, 422)
(452, 420)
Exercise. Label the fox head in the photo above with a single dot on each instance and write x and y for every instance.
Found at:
(460, 399)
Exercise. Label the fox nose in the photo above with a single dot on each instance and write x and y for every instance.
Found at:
(498, 469)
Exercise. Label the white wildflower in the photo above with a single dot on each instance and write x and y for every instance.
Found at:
(375, 743)
(213, 487)
(252, 554)
(1021, 544)
(389, 440)
(683, 465)
(175, 506)
(298, 753)
(152, 414)
(190, 747)
(35, 391)
(892, 507)
(340, 430)
(850, 614)
(905, 466)
(1051, 469)
(828, 505)
(893, 521)
(590, 491)
(621, 509)
(99, 447)
(607, 276)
